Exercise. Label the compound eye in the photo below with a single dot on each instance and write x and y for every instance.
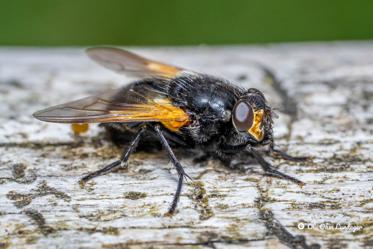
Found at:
(243, 116)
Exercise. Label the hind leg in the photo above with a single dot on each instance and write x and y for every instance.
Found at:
(119, 163)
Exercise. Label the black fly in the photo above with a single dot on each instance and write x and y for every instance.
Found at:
(177, 107)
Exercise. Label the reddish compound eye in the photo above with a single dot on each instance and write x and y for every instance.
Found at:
(243, 116)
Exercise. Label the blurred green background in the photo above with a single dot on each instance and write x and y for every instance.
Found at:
(189, 22)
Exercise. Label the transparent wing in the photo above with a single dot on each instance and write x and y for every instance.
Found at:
(109, 107)
(125, 62)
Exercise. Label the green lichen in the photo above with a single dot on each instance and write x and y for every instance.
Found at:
(326, 205)
(251, 179)
(234, 230)
(32, 239)
(19, 170)
(19, 175)
(88, 186)
(222, 206)
(364, 202)
(201, 199)
(216, 194)
(105, 230)
(40, 221)
(126, 245)
(104, 215)
(133, 195)
(43, 189)
(154, 211)
(22, 200)
(206, 236)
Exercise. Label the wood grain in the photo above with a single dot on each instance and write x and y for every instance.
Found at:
(324, 97)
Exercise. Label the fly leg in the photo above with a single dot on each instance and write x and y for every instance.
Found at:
(283, 155)
(117, 164)
(270, 171)
(179, 169)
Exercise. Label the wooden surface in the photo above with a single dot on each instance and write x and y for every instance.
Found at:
(324, 100)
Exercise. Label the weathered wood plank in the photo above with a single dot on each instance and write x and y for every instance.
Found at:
(327, 90)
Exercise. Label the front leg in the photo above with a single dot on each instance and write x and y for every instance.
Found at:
(270, 171)
(178, 166)
(283, 155)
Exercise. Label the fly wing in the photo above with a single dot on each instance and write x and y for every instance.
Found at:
(125, 62)
(110, 107)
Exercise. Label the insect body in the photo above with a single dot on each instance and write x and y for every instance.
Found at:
(177, 107)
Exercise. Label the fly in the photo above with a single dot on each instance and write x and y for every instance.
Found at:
(178, 108)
